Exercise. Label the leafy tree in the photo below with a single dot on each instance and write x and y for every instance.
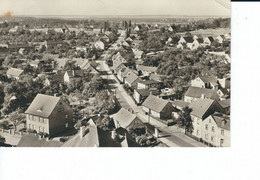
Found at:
(185, 120)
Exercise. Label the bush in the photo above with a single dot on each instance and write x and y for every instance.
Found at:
(31, 131)
(4, 125)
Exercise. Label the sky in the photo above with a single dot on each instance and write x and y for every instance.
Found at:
(116, 7)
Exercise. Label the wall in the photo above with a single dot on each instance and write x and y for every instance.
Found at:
(38, 123)
(58, 120)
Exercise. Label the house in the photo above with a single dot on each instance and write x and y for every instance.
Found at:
(157, 107)
(54, 79)
(208, 82)
(223, 93)
(138, 53)
(197, 37)
(141, 94)
(48, 114)
(216, 130)
(132, 79)
(146, 70)
(148, 84)
(87, 137)
(126, 120)
(34, 63)
(99, 45)
(227, 36)
(195, 44)
(194, 93)
(225, 104)
(137, 28)
(73, 75)
(122, 74)
(220, 38)
(201, 109)
(105, 38)
(14, 73)
(208, 40)
(35, 141)
(185, 40)
(179, 104)
(224, 82)
(172, 28)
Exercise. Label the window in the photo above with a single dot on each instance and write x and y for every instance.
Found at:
(206, 127)
(66, 116)
(60, 109)
(209, 120)
(32, 127)
(213, 129)
(212, 138)
(206, 136)
(198, 132)
(221, 142)
(43, 130)
(66, 125)
(222, 132)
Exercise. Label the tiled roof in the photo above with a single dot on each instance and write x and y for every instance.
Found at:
(34, 141)
(146, 68)
(14, 72)
(155, 103)
(42, 105)
(200, 107)
(148, 82)
(146, 92)
(131, 77)
(197, 92)
(124, 117)
(90, 139)
(180, 103)
(188, 39)
(225, 103)
(207, 79)
(222, 121)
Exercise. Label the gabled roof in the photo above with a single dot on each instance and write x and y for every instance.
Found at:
(211, 39)
(14, 72)
(146, 68)
(200, 107)
(90, 139)
(222, 121)
(42, 105)
(225, 103)
(154, 103)
(188, 39)
(34, 141)
(116, 64)
(131, 77)
(148, 82)
(124, 117)
(209, 79)
(197, 92)
(180, 103)
(146, 92)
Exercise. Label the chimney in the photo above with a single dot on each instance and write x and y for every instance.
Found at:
(202, 96)
(55, 95)
(82, 131)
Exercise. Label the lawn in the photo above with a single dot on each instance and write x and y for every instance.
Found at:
(209, 32)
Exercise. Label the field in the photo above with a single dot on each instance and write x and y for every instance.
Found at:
(209, 32)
